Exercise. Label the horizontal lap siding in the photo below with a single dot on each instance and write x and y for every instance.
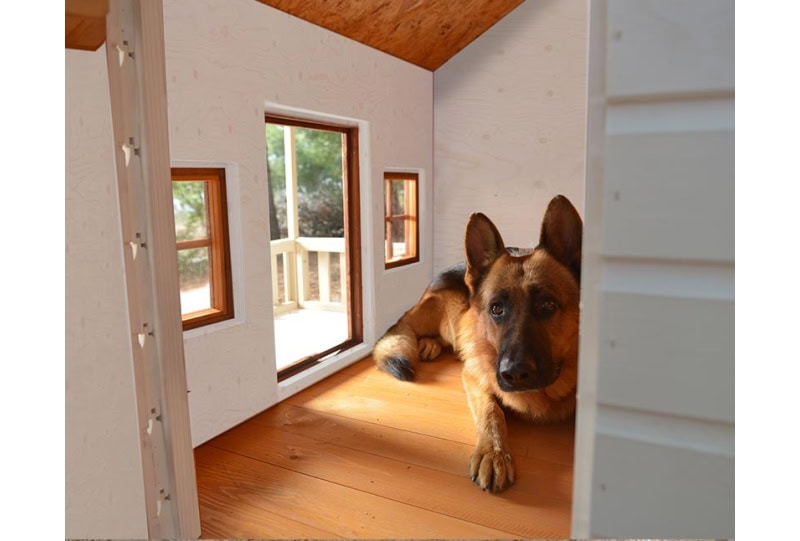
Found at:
(666, 354)
(664, 489)
(669, 48)
(670, 196)
(663, 445)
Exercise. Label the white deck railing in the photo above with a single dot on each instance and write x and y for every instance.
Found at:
(297, 274)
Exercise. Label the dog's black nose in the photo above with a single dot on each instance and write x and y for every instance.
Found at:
(515, 373)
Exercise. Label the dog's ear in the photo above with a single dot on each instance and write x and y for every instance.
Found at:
(483, 245)
(562, 234)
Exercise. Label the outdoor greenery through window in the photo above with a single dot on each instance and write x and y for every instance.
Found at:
(318, 158)
(401, 192)
(201, 232)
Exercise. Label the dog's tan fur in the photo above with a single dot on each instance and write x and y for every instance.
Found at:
(530, 348)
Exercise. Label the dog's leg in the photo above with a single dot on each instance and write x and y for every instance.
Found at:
(490, 465)
(429, 348)
(411, 338)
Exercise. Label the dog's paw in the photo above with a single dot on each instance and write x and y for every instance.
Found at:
(399, 367)
(491, 469)
(429, 349)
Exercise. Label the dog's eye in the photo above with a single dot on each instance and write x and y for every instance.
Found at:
(547, 307)
(496, 309)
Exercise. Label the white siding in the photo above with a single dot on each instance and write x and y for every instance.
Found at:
(665, 488)
(657, 421)
(104, 478)
(652, 347)
(673, 48)
(659, 198)
(228, 60)
(509, 124)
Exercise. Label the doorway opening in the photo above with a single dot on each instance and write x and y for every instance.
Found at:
(315, 240)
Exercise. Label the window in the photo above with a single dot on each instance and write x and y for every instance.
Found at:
(312, 171)
(201, 231)
(401, 192)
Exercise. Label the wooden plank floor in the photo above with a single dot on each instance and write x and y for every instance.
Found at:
(362, 455)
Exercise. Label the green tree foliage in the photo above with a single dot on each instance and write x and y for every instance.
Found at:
(189, 204)
(398, 208)
(319, 182)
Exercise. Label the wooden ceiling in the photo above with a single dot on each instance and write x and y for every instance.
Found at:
(426, 33)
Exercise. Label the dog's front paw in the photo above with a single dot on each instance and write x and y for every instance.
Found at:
(429, 349)
(491, 469)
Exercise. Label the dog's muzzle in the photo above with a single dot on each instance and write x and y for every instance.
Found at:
(515, 375)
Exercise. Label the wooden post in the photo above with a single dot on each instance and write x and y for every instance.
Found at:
(289, 279)
(299, 266)
(290, 162)
(324, 272)
(274, 269)
(137, 82)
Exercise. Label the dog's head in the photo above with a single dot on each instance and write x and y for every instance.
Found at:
(527, 301)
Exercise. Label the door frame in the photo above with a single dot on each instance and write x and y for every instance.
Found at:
(353, 235)
(368, 251)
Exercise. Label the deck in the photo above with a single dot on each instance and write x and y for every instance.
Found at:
(361, 455)
(303, 332)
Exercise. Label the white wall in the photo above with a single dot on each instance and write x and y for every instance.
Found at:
(226, 59)
(104, 478)
(655, 448)
(509, 125)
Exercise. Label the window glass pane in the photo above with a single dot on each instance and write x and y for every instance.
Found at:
(193, 273)
(400, 234)
(399, 244)
(276, 175)
(398, 197)
(191, 214)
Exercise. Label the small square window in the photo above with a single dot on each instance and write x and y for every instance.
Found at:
(401, 233)
(201, 232)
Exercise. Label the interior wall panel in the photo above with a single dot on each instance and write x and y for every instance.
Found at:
(104, 481)
(510, 120)
(227, 62)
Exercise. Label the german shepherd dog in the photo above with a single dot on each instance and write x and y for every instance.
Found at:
(512, 316)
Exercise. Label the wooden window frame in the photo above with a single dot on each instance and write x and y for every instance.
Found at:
(218, 242)
(410, 218)
(352, 226)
